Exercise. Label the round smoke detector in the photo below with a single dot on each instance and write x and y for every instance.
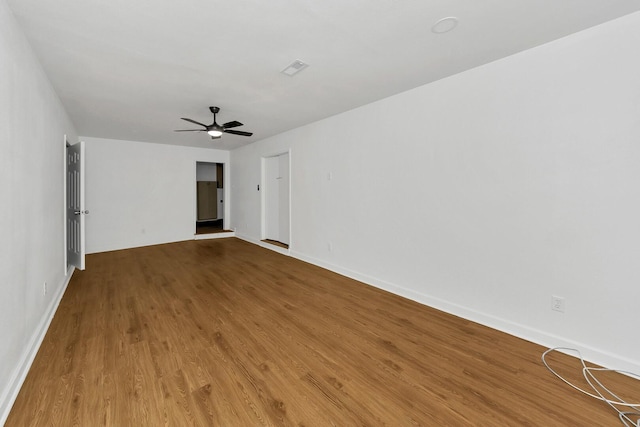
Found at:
(445, 25)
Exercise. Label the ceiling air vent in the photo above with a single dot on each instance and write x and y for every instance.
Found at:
(295, 67)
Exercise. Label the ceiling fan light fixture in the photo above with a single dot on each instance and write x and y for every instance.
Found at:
(214, 130)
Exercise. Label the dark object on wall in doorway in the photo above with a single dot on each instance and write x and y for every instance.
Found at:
(214, 129)
(207, 192)
(220, 175)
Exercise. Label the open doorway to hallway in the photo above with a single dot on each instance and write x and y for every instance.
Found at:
(210, 198)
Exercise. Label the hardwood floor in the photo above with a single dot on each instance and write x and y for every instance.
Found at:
(222, 332)
(210, 227)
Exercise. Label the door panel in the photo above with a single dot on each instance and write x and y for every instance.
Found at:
(272, 205)
(283, 198)
(75, 206)
(276, 198)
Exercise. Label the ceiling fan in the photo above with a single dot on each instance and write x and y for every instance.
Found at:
(214, 129)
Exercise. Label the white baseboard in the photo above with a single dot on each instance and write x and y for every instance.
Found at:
(214, 235)
(10, 392)
(543, 338)
(547, 340)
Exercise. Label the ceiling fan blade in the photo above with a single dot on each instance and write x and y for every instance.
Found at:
(233, 124)
(193, 121)
(190, 130)
(238, 132)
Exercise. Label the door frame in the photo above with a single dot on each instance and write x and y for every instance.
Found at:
(226, 208)
(65, 244)
(264, 185)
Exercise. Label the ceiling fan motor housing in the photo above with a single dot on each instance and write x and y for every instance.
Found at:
(214, 129)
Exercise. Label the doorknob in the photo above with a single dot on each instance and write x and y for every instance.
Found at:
(81, 212)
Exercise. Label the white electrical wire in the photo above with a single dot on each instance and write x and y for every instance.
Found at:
(599, 388)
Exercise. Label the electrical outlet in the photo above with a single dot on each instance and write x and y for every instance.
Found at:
(557, 303)
(44, 291)
(329, 247)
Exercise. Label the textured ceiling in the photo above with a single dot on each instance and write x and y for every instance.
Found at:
(130, 69)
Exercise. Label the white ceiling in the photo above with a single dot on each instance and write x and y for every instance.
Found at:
(129, 69)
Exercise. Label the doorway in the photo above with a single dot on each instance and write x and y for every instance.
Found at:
(209, 198)
(276, 200)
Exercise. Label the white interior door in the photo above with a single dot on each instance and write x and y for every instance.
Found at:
(283, 198)
(271, 199)
(276, 198)
(75, 205)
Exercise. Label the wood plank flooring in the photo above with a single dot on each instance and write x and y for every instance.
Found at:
(225, 333)
(210, 227)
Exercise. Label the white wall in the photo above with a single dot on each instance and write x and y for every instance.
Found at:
(142, 194)
(206, 172)
(32, 241)
(509, 183)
